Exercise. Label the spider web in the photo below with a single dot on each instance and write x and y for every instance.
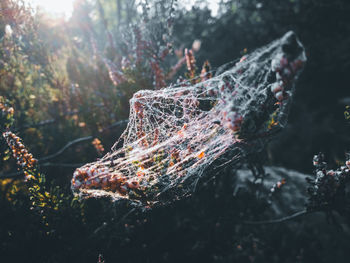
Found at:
(176, 133)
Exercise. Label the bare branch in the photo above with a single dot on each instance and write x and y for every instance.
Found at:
(11, 175)
(18, 173)
(62, 150)
(68, 165)
(41, 123)
(69, 144)
(278, 220)
(116, 124)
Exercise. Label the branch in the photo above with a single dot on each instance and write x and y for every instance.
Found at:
(69, 144)
(10, 175)
(53, 120)
(41, 123)
(116, 124)
(45, 122)
(278, 220)
(64, 148)
(67, 165)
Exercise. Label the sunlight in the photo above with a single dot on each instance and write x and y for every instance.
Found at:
(64, 8)
(54, 7)
(213, 5)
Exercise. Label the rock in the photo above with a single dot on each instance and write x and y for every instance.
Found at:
(291, 197)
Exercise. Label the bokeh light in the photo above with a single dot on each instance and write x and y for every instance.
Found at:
(61, 8)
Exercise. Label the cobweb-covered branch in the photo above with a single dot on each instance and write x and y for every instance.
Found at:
(176, 133)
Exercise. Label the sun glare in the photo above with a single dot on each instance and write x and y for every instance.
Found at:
(57, 8)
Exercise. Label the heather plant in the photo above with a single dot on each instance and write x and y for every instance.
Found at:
(60, 93)
(74, 91)
(328, 189)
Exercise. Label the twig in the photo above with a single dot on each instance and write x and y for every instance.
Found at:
(10, 175)
(69, 144)
(45, 122)
(48, 164)
(116, 124)
(104, 224)
(41, 123)
(69, 165)
(278, 220)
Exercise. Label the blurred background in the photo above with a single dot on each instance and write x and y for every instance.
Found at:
(68, 69)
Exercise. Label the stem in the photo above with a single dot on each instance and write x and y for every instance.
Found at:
(278, 220)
